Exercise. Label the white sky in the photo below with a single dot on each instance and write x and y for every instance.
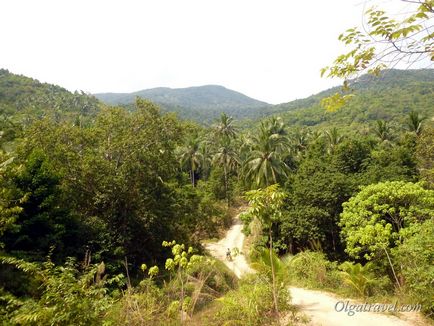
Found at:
(271, 50)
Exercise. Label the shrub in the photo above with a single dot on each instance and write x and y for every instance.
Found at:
(251, 304)
(357, 277)
(67, 296)
(416, 256)
(312, 269)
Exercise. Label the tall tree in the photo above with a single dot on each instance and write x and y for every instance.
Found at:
(265, 164)
(414, 122)
(383, 130)
(266, 205)
(227, 157)
(191, 156)
(225, 127)
(333, 139)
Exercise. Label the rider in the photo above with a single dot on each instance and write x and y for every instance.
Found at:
(228, 254)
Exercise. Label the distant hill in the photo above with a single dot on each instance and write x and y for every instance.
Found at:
(391, 96)
(202, 103)
(24, 100)
(23, 96)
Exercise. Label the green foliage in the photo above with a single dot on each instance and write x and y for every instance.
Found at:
(381, 216)
(250, 304)
(266, 164)
(265, 204)
(312, 269)
(261, 261)
(41, 223)
(425, 155)
(415, 257)
(24, 100)
(357, 277)
(383, 42)
(68, 297)
(391, 96)
(203, 104)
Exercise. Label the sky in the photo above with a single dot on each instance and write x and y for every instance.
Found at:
(271, 50)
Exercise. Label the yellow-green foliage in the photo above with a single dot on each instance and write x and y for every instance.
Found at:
(357, 277)
(312, 269)
(251, 303)
(67, 297)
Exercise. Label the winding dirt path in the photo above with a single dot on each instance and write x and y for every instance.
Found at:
(317, 305)
(233, 239)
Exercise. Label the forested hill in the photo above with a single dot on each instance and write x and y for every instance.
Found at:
(22, 96)
(202, 103)
(388, 97)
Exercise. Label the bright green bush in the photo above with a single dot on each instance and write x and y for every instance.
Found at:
(67, 296)
(312, 269)
(357, 277)
(415, 257)
(251, 304)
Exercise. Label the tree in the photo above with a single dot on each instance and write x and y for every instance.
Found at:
(425, 155)
(227, 157)
(265, 164)
(383, 130)
(42, 223)
(266, 205)
(333, 139)
(414, 122)
(382, 215)
(225, 128)
(121, 178)
(383, 42)
(191, 156)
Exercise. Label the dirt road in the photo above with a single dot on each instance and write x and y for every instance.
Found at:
(317, 305)
(233, 240)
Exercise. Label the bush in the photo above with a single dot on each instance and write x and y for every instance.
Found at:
(251, 303)
(416, 256)
(142, 305)
(312, 269)
(67, 296)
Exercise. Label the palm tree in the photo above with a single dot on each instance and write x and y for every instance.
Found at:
(191, 157)
(227, 157)
(265, 164)
(299, 142)
(225, 128)
(383, 130)
(414, 122)
(333, 139)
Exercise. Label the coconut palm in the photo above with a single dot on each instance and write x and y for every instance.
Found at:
(333, 139)
(414, 122)
(383, 130)
(265, 164)
(191, 157)
(226, 157)
(225, 128)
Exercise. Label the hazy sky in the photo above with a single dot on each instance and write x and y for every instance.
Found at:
(271, 50)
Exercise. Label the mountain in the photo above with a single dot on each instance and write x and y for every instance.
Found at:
(390, 96)
(202, 103)
(23, 96)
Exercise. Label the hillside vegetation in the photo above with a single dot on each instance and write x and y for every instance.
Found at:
(391, 96)
(202, 104)
(101, 222)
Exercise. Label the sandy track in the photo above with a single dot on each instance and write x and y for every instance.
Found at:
(318, 306)
(234, 238)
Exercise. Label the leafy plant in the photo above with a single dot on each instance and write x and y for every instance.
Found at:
(357, 277)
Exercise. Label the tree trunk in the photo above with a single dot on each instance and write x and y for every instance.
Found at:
(226, 183)
(391, 266)
(276, 308)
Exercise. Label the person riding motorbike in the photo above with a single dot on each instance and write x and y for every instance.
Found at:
(228, 255)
